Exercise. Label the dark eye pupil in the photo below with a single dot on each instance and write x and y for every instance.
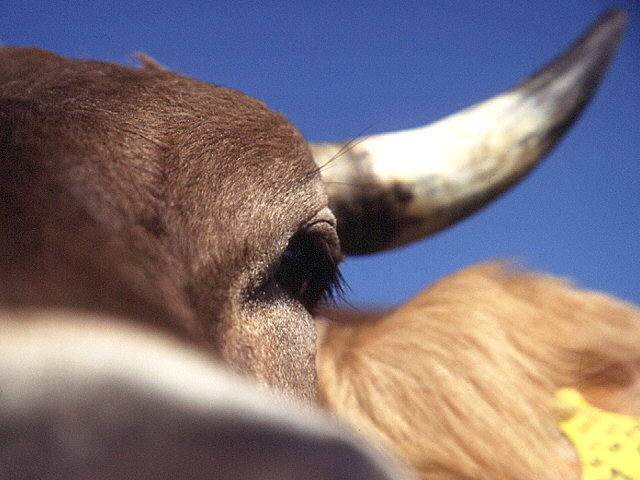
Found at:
(294, 270)
(307, 270)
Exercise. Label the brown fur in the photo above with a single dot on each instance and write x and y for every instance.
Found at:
(139, 192)
(459, 381)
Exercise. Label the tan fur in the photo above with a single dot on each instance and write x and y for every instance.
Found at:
(459, 381)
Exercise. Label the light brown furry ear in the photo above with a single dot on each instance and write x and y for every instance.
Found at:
(459, 381)
(149, 63)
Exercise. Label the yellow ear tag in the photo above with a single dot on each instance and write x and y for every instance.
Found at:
(608, 444)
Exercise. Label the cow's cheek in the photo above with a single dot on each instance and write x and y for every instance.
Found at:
(274, 342)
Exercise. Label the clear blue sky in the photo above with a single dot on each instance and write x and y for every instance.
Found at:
(335, 68)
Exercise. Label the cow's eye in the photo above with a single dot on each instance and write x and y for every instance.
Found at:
(308, 268)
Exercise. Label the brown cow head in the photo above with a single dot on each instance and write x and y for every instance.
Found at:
(157, 197)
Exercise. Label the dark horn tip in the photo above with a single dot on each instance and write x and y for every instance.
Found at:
(606, 30)
(590, 55)
(610, 24)
(594, 49)
(615, 16)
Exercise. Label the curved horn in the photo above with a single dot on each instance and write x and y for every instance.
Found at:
(391, 189)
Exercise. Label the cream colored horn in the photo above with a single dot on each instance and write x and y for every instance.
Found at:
(391, 189)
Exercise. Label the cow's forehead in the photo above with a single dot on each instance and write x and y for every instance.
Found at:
(226, 153)
(218, 180)
(246, 169)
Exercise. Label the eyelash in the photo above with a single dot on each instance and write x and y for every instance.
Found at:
(308, 270)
